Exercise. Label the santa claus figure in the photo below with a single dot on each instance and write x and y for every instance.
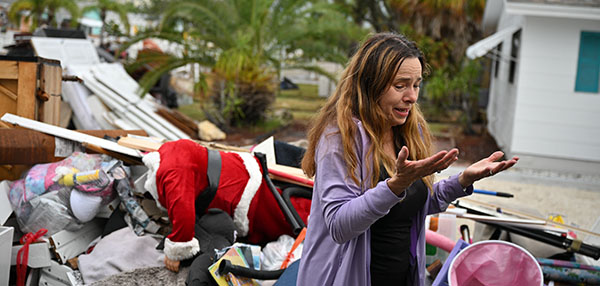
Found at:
(178, 175)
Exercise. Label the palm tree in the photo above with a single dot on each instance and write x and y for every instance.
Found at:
(37, 9)
(248, 42)
(452, 23)
(443, 29)
(104, 6)
(455, 22)
(69, 5)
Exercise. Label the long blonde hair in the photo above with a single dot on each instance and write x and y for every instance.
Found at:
(368, 75)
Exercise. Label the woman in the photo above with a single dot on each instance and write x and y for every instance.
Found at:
(370, 153)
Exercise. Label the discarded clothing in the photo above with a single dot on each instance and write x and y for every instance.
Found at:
(117, 252)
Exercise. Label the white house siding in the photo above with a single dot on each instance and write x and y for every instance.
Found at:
(502, 98)
(551, 119)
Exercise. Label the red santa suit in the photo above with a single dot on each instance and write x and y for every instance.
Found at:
(178, 175)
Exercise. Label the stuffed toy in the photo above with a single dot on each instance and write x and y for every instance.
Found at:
(178, 175)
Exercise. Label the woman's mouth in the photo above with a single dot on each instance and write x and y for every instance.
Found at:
(403, 112)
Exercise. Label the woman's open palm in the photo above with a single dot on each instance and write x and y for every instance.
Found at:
(485, 168)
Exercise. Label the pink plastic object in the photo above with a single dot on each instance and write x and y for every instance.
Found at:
(439, 240)
(494, 262)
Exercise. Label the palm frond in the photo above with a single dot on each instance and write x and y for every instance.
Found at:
(14, 12)
(150, 78)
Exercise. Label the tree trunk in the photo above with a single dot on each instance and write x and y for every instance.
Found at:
(103, 18)
(467, 111)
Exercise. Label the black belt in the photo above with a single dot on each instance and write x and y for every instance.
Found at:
(213, 173)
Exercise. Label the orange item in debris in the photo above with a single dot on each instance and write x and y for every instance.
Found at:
(433, 223)
(299, 240)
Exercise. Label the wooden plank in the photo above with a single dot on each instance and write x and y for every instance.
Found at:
(141, 144)
(502, 219)
(26, 100)
(8, 96)
(167, 115)
(9, 84)
(50, 110)
(51, 78)
(126, 159)
(7, 104)
(9, 70)
(12, 172)
(8, 93)
(69, 134)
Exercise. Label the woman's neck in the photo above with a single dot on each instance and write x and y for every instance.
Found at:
(389, 144)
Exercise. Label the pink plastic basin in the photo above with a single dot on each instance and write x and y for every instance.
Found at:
(494, 262)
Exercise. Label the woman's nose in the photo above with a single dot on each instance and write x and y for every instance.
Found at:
(411, 95)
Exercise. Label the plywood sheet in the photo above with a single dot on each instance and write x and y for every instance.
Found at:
(9, 69)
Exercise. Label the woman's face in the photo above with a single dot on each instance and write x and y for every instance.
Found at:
(397, 101)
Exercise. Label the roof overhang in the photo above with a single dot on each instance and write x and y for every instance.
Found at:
(491, 15)
(93, 23)
(553, 10)
(487, 44)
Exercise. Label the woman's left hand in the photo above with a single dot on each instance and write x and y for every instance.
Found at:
(485, 168)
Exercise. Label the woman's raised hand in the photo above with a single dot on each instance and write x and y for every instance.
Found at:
(408, 171)
(485, 168)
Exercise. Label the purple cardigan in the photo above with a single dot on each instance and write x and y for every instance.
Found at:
(337, 246)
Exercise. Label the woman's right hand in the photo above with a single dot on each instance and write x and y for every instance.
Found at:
(407, 171)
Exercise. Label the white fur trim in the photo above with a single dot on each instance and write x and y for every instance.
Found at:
(240, 215)
(181, 250)
(152, 161)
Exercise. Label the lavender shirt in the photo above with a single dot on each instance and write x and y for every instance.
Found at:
(337, 246)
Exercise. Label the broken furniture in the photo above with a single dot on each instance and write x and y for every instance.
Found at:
(29, 87)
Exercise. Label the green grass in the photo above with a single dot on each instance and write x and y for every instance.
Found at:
(442, 128)
(193, 111)
(303, 103)
(304, 91)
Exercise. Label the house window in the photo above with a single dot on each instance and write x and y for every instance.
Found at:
(497, 59)
(588, 66)
(514, 54)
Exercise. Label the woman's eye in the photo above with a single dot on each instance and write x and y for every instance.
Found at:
(399, 86)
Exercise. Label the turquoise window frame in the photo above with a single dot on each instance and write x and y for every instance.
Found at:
(588, 64)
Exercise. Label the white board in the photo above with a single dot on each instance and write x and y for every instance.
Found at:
(69, 134)
(67, 51)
